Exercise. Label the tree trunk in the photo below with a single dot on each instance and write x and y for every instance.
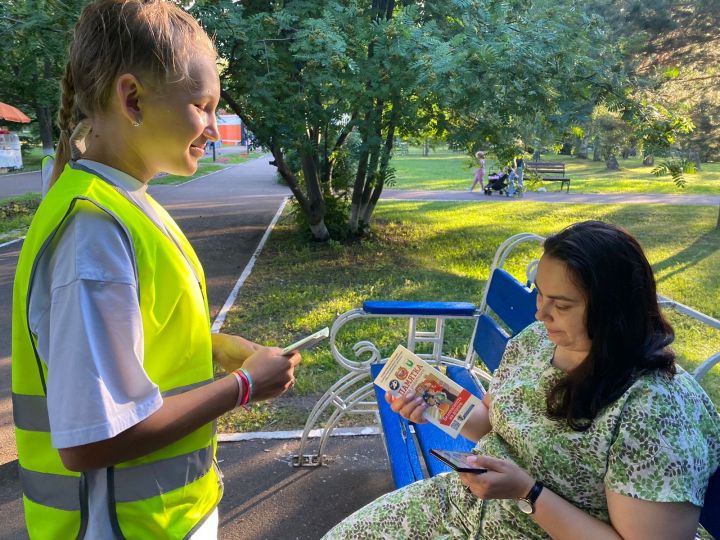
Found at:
(44, 115)
(316, 210)
(649, 160)
(582, 152)
(384, 161)
(597, 151)
(612, 163)
(44, 118)
(360, 175)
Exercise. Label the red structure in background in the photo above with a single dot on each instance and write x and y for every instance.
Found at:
(231, 129)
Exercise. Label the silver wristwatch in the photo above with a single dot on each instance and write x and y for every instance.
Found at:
(527, 504)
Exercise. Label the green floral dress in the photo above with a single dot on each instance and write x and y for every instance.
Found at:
(660, 441)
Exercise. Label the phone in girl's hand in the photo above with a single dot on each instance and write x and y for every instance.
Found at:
(307, 342)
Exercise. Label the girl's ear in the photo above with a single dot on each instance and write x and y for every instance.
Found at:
(129, 91)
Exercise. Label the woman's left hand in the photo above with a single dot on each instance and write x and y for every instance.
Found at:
(503, 479)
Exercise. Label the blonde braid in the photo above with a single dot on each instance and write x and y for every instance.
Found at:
(65, 121)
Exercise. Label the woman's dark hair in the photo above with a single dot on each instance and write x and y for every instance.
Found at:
(629, 334)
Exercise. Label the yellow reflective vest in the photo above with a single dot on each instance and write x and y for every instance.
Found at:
(170, 492)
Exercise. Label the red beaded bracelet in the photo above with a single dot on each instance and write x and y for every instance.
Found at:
(243, 388)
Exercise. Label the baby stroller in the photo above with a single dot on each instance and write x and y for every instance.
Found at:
(497, 182)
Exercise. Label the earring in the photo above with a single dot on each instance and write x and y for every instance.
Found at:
(137, 123)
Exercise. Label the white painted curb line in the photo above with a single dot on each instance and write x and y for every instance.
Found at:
(12, 242)
(203, 176)
(220, 319)
(296, 434)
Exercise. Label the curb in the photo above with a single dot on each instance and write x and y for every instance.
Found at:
(11, 242)
(297, 434)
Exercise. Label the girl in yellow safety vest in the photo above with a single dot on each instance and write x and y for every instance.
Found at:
(113, 390)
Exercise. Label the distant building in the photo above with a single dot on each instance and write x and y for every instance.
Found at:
(232, 130)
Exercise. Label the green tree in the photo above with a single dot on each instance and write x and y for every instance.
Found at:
(304, 75)
(670, 50)
(35, 36)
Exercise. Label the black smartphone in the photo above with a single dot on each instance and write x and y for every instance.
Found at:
(457, 460)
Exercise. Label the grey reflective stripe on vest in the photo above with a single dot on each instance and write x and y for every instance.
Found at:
(31, 414)
(153, 479)
(131, 484)
(54, 490)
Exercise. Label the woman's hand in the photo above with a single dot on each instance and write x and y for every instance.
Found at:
(503, 479)
(410, 406)
(231, 351)
(272, 372)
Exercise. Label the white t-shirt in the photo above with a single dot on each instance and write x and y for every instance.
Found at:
(84, 309)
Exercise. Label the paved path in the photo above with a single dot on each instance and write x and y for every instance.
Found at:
(555, 197)
(12, 185)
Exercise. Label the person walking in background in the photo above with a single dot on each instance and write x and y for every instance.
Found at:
(520, 172)
(480, 172)
(114, 397)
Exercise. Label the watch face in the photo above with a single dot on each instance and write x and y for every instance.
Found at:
(525, 506)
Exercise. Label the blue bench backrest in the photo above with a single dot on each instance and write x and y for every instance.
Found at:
(515, 305)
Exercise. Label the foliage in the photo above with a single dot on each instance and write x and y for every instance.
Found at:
(304, 75)
(36, 34)
(609, 133)
(16, 213)
(337, 210)
(671, 54)
(676, 168)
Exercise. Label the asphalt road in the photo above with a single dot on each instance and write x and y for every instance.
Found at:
(12, 185)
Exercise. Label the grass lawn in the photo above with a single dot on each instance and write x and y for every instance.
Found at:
(203, 169)
(31, 161)
(452, 171)
(442, 251)
(206, 166)
(16, 213)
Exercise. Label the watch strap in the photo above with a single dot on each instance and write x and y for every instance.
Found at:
(534, 493)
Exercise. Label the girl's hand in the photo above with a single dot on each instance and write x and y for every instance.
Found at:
(503, 480)
(231, 351)
(272, 372)
(410, 406)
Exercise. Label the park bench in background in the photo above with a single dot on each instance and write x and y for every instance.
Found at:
(507, 307)
(542, 169)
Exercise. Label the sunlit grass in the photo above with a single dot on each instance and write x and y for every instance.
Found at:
(454, 171)
(443, 251)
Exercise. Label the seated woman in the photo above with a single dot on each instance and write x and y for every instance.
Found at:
(589, 429)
